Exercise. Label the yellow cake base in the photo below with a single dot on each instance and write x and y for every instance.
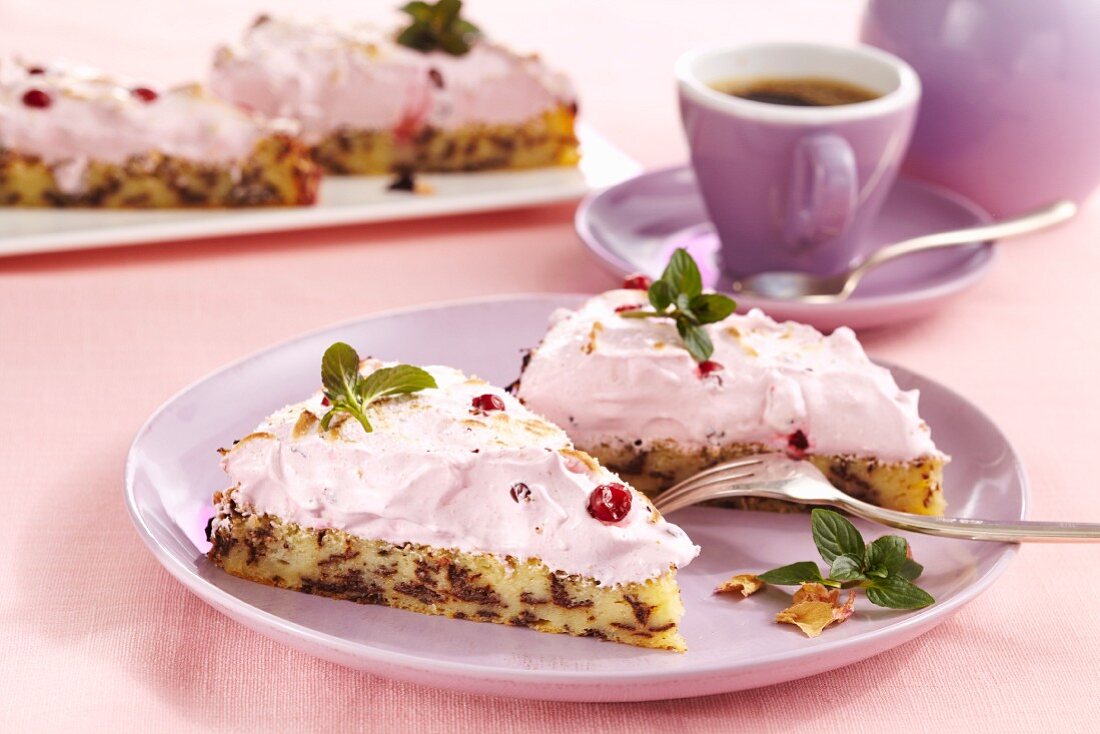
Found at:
(913, 486)
(478, 587)
(279, 172)
(548, 140)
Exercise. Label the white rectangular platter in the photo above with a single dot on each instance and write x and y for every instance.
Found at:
(343, 200)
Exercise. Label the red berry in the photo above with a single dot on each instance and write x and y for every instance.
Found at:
(326, 401)
(797, 443)
(520, 492)
(628, 307)
(145, 94)
(609, 502)
(488, 401)
(708, 367)
(36, 98)
(637, 282)
(35, 70)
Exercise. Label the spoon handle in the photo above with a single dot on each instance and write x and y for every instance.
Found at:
(1041, 218)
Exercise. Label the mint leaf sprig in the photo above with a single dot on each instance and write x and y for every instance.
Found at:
(351, 393)
(678, 295)
(883, 568)
(437, 27)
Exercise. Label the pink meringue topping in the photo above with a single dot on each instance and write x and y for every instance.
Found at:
(439, 472)
(608, 380)
(91, 116)
(355, 76)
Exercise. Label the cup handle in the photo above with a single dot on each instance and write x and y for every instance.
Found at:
(823, 190)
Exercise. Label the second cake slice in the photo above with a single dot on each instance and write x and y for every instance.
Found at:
(457, 501)
(628, 391)
(373, 101)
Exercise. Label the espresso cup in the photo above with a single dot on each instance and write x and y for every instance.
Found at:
(795, 187)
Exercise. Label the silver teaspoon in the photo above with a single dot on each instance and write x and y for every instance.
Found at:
(806, 288)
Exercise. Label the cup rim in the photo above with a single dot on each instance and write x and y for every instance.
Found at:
(907, 92)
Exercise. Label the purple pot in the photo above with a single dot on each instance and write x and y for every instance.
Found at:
(1011, 105)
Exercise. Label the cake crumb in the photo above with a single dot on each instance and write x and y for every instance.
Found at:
(405, 180)
(590, 343)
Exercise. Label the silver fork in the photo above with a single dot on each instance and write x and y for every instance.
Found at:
(776, 476)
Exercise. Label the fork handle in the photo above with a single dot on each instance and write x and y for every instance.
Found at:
(1003, 531)
(1006, 531)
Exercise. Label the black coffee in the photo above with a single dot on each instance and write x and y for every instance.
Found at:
(799, 92)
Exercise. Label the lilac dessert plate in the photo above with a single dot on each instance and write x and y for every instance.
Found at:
(634, 226)
(172, 471)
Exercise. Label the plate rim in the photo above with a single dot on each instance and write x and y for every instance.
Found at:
(613, 263)
(906, 628)
(272, 220)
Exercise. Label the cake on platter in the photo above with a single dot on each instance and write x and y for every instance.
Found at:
(434, 492)
(73, 136)
(434, 95)
(661, 380)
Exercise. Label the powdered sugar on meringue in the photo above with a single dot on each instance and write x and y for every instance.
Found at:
(436, 472)
(355, 76)
(631, 380)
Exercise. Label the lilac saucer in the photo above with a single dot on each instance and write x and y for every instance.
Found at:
(634, 226)
(172, 471)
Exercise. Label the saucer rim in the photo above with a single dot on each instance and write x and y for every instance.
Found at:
(952, 285)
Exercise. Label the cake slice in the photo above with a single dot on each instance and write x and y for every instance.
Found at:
(434, 96)
(71, 136)
(629, 393)
(458, 502)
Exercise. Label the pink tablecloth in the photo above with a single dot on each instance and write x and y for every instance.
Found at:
(95, 635)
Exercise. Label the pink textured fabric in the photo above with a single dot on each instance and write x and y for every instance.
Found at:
(94, 635)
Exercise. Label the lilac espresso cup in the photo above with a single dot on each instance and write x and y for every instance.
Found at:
(793, 187)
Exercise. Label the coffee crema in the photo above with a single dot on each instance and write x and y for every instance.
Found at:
(797, 91)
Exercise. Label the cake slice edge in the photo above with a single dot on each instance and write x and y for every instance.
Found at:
(914, 486)
(444, 582)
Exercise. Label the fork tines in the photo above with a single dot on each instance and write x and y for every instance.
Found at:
(683, 493)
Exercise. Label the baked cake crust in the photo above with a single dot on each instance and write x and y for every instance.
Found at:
(279, 172)
(449, 583)
(73, 136)
(548, 140)
(911, 486)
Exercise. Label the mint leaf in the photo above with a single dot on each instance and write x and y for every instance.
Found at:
(678, 295)
(447, 11)
(351, 393)
(910, 570)
(398, 380)
(696, 340)
(661, 295)
(793, 574)
(683, 274)
(889, 553)
(353, 409)
(894, 592)
(711, 307)
(418, 10)
(438, 27)
(339, 371)
(846, 568)
(834, 535)
(888, 583)
(683, 306)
